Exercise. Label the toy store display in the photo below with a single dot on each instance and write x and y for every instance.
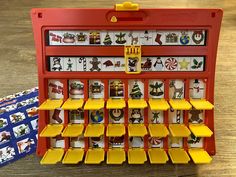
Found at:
(131, 84)
(18, 125)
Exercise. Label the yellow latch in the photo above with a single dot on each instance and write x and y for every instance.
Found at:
(127, 6)
(132, 59)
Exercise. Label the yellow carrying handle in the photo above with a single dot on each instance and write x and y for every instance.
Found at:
(127, 6)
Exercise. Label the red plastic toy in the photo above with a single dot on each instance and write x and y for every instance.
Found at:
(126, 81)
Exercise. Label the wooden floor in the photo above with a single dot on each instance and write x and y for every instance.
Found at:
(18, 72)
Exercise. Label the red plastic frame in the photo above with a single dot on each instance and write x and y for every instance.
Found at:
(158, 19)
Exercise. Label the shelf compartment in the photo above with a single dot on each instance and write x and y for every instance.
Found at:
(158, 104)
(51, 104)
(137, 156)
(157, 156)
(73, 130)
(94, 156)
(73, 156)
(116, 156)
(178, 156)
(94, 104)
(115, 103)
(201, 104)
(94, 130)
(180, 104)
(52, 156)
(72, 104)
(179, 130)
(199, 156)
(115, 130)
(200, 130)
(158, 130)
(137, 130)
(51, 130)
(137, 103)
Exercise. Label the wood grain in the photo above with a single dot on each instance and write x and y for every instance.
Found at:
(18, 72)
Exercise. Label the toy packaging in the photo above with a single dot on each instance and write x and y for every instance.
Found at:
(18, 125)
(126, 84)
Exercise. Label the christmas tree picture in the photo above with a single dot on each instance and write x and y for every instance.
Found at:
(107, 40)
(136, 91)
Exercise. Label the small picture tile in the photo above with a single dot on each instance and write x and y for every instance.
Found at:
(55, 37)
(121, 37)
(197, 64)
(119, 64)
(185, 38)
(136, 116)
(171, 38)
(184, 63)
(136, 142)
(107, 64)
(155, 142)
(136, 89)
(21, 130)
(58, 142)
(158, 38)
(96, 142)
(7, 153)
(96, 116)
(146, 63)
(68, 38)
(76, 116)
(82, 63)
(198, 37)
(76, 89)
(56, 64)
(196, 116)
(17, 117)
(116, 116)
(155, 117)
(77, 142)
(176, 89)
(82, 37)
(116, 89)
(5, 136)
(95, 38)
(170, 63)
(56, 116)
(55, 89)
(175, 116)
(94, 64)
(175, 142)
(116, 142)
(195, 142)
(146, 37)
(25, 145)
(69, 64)
(158, 64)
(107, 38)
(156, 89)
(133, 38)
(96, 89)
(197, 88)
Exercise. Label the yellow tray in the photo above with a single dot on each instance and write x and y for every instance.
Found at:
(115, 103)
(158, 130)
(73, 156)
(157, 156)
(94, 156)
(158, 104)
(180, 104)
(115, 156)
(51, 130)
(199, 156)
(94, 104)
(50, 104)
(52, 156)
(73, 130)
(115, 130)
(178, 156)
(137, 156)
(73, 104)
(179, 130)
(200, 130)
(94, 130)
(201, 104)
(137, 130)
(137, 103)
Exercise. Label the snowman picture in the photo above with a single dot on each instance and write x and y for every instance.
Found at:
(158, 65)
